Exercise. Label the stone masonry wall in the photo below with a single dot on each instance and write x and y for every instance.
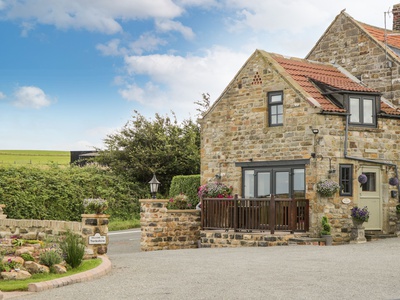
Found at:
(347, 45)
(164, 229)
(36, 229)
(236, 130)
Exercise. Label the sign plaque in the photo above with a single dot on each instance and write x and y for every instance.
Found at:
(97, 239)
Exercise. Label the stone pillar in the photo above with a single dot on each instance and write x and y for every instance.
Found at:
(357, 235)
(95, 233)
(153, 217)
(164, 229)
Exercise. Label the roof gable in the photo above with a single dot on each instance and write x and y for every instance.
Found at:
(305, 73)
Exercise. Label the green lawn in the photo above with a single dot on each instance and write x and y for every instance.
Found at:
(34, 157)
(22, 285)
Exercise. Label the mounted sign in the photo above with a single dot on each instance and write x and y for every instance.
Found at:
(97, 239)
(346, 201)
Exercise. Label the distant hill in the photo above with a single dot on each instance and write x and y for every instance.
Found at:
(34, 157)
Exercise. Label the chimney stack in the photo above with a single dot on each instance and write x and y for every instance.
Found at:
(396, 17)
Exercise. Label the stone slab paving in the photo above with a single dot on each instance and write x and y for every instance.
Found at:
(354, 271)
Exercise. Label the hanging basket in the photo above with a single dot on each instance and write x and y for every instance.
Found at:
(362, 178)
(394, 181)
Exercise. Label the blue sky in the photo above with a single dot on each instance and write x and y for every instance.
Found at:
(73, 71)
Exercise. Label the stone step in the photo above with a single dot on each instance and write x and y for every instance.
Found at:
(306, 241)
(378, 236)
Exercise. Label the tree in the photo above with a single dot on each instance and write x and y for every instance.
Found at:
(204, 104)
(162, 146)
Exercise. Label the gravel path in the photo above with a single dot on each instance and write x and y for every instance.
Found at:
(363, 271)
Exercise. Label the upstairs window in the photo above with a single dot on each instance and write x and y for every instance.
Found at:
(362, 110)
(275, 108)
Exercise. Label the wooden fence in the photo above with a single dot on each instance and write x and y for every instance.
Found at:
(255, 214)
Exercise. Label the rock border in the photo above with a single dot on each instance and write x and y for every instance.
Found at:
(99, 271)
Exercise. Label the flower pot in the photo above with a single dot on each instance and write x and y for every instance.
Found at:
(328, 239)
(357, 223)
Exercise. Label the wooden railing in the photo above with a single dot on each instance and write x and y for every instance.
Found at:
(255, 214)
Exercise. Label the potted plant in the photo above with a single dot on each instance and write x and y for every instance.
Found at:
(326, 231)
(95, 205)
(359, 216)
(327, 188)
(179, 202)
(398, 211)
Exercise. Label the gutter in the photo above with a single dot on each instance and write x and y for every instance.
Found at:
(365, 159)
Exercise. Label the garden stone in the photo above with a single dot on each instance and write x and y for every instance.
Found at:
(35, 268)
(59, 269)
(17, 259)
(13, 275)
(29, 236)
(24, 250)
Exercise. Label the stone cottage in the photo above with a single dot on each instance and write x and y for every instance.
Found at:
(372, 54)
(284, 124)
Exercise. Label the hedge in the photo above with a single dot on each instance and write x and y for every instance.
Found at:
(186, 184)
(57, 193)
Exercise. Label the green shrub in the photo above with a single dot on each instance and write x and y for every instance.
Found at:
(27, 257)
(57, 193)
(186, 184)
(73, 248)
(50, 258)
(326, 227)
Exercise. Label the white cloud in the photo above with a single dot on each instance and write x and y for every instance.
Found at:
(99, 15)
(31, 97)
(146, 42)
(169, 25)
(112, 48)
(175, 82)
(2, 95)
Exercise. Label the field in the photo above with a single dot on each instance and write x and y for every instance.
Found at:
(34, 157)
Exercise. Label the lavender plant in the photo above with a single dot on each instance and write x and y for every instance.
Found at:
(360, 214)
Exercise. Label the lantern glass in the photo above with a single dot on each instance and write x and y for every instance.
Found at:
(154, 183)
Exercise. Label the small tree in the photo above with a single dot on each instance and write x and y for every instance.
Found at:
(326, 227)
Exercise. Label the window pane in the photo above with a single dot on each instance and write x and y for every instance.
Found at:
(249, 184)
(355, 110)
(345, 180)
(368, 111)
(264, 184)
(273, 110)
(276, 98)
(370, 185)
(298, 183)
(279, 119)
(280, 109)
(282, 184)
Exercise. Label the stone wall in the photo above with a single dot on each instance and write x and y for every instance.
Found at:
(222, 239)
(164, 229)
(91, 225)
(36, 229)
(347, 45)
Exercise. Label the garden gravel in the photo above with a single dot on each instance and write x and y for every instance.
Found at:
(355, 271)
